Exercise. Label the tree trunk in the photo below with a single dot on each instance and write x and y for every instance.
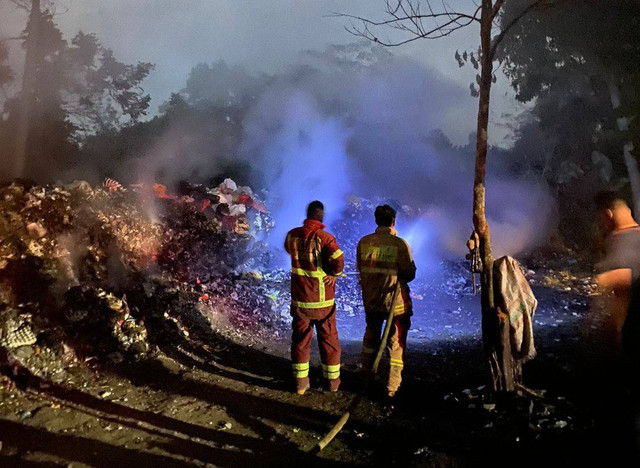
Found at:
(629, 160)
(27, 98)
(493, 339)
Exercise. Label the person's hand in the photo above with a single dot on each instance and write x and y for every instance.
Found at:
(330, 280)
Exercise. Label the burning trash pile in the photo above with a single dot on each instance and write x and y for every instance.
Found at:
(109, 272)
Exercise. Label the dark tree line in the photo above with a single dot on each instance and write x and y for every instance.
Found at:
(69, 90)
(578, 65)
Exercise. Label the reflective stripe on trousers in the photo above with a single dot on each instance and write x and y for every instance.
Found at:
(302, 328)
(331, 372)
(300, 369)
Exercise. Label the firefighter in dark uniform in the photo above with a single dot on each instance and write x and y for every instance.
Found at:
(316, 262)
(384, 261)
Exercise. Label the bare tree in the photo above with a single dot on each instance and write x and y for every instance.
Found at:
(418, 19)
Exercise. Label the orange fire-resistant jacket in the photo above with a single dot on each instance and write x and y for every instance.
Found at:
(314, 255)
(383, 259)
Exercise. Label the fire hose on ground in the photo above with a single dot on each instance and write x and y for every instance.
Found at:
(329, 436)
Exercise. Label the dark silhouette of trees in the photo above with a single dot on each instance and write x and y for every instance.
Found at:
(584, 80)
(70, 90)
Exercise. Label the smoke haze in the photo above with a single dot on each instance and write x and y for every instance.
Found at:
(358, 120)
(350, 119)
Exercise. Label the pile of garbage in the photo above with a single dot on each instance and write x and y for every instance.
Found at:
(110, 272)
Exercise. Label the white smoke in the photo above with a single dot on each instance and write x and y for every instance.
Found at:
(301, 154)
(340, 127)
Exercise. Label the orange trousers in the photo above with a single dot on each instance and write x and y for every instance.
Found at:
(328, 342)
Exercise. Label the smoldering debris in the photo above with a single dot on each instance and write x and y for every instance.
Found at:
(114, 273)
(108, 273)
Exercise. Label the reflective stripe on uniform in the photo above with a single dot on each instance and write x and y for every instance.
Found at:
(396, 362)
(313, 305)
(308, 273)
(300, 369)
(399, 309)
(331, 372)
(322, 295)
(367, 350)
(381, 271)
(379, 253)
(336, 254)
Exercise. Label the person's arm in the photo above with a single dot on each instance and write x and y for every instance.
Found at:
(615, 280)
(286, 243)
(614, 273)
(334, 258)
(406, 265)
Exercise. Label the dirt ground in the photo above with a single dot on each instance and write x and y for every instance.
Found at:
(207, 401)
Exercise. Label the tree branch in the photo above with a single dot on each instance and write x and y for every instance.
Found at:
(11, 39)
(435, 33)
(398, 19)
(407, 17)
(496, 8)
(536, 5)
(25, 5)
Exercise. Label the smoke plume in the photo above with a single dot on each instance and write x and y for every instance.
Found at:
(374, 125)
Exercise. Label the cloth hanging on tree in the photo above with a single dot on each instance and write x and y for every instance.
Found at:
(514, 297)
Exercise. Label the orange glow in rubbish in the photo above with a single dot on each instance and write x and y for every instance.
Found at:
(160, 190)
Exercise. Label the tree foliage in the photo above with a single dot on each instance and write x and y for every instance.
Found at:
(100, 92)
(565, 61)
(78, 89)
(220, 85)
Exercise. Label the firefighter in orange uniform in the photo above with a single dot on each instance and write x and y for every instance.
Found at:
(316, 261)
(384, 260)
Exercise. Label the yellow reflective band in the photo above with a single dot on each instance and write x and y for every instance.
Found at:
(300, 369)
(331, 371)
(322, 293)
(336, 254)
(396, 362)
(366, 350)
(332, 368)
(381, 271)
(379, 253)
(308, 273)
(313, 305)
